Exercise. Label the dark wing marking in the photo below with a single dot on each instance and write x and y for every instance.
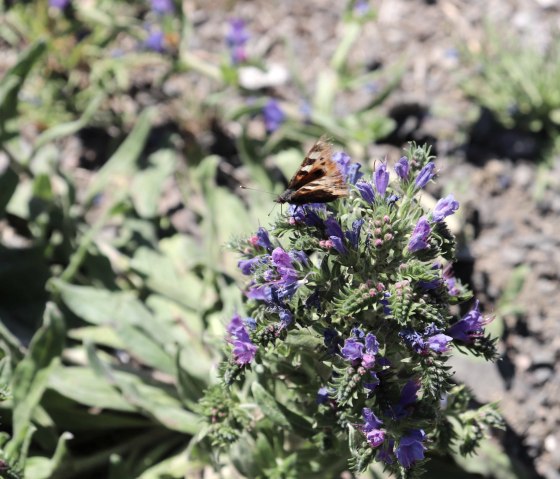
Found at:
(314, 165)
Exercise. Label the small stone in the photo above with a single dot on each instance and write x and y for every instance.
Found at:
(541, 376)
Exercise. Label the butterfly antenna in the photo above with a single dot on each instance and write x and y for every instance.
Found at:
(273, 206)
(255, 189)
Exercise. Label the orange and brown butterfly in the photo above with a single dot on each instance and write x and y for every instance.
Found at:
(318, 179)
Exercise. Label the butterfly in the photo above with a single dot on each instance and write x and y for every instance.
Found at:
(318, 179)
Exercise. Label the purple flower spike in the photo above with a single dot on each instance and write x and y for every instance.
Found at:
(385, 453)
(366, 190)
(307, 213)
(352, 350)
(285, 317)
(162, 6)
(409, 395)
(445, 207)
(350, 171)
(354, 234)
(244, 350)
(322, 395)
(236, 39)
(247, 266)
(338, 244)
(262, 239)
(362, 7)
(402, 168)
(470, 327)
(155, 41)
(273, 116)
(372, 382)
(60, 4)
(374, 435)
(419, 238)
(381, 179)
(439, 343)
(372, 345)
(425, 175)
(335, 234)
(410, 448)
(332, 227)
(343, 161)
(354, 173)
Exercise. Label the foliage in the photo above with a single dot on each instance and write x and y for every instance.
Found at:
(517, 82)
(112, 304)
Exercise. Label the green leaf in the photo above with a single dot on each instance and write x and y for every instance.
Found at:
(268, 405)
(327, 87)
(32, 375)
(168, 277)
(147, 185)
(141, 345)
(13, 80)
(85, 387)
(190, 387)
(67, 129)
(117, 173)
(102, 335)
(102, 307)
(153, 401)
(8, 184)
(305, 340)
(42, 468)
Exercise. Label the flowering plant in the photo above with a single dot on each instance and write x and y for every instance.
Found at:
(343, 351)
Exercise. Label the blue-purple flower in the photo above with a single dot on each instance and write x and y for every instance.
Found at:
(450, 281)
(420, 235)
(349, 169)
(286, 317)
(410, 449)
(409, 396)
(247, 266)
(361, 7)
(335, 234)
(366, 190)
(236, 38)
(431, 339)
(381, 179)
(155, 40)
(355, 349)
(307, 214)
(244, 350)
(439, 342)
(162, 6)
(280, 280)
(371, 428)
(352, 350)
(425, 175)
(273, 116)
(60, 4)
(331, 340)
(261, 239)
(402, 168)
(445, 207)
(353, 235)
(385, 453)
(322, 395)
(470, 327)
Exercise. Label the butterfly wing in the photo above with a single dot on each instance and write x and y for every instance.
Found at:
(318, 179)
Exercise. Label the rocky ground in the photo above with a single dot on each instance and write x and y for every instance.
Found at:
(511, 205)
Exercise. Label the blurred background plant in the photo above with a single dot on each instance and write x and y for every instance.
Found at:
(123, 140)
(517, 83)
